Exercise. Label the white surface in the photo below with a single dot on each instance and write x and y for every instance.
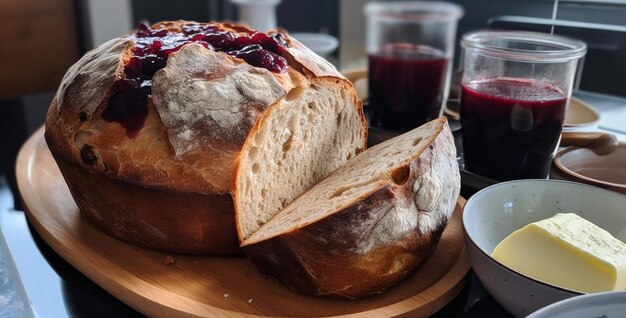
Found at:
(352, 34)
(32, 267)
(600, 305)
(621, 235)
(614, 121)
(612, 110)
(322, 44)
(13, 299)
(108, 19)
(496, 211)
(257, 14)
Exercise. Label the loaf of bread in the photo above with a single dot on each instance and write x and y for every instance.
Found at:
(368, 225)
(151, 130)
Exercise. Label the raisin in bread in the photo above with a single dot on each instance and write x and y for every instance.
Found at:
(150, 130)
(369, 224)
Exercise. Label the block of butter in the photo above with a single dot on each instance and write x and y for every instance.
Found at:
(568, 251)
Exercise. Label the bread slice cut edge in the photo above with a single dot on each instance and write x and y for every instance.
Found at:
(394, 174)
(295, 145)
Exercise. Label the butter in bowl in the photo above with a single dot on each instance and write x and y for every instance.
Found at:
(494, 213)
(573, 252)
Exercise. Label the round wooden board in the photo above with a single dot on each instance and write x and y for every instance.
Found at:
(211, 286)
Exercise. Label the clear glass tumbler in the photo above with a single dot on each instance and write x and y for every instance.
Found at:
(514, 92)
(410, 46)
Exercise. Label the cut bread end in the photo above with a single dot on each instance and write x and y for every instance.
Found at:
(369, 224)
(305, 138)
(388, 163)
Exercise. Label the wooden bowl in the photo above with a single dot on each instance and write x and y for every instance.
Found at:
(585, 166)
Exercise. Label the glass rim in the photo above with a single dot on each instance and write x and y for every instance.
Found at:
(564, 48)
(414, 11)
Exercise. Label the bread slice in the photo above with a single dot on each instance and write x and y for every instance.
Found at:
(369, 224)
(297, 145)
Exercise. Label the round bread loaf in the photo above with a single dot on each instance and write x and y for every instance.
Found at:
(149, 130)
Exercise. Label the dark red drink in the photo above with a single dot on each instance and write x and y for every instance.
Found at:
(406, 85)
(511, 127)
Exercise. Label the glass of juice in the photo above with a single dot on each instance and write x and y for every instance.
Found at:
(514, 92)
(410, 46)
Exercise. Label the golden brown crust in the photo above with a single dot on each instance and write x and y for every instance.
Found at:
(83, 90)
(208, 103)
(167, 220)
(86, 83)
(175, 155)
(311, 62)
(124, 155)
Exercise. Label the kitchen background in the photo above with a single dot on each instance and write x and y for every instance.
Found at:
(42, 38)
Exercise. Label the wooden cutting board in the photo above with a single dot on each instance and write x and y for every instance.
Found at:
(195, 286)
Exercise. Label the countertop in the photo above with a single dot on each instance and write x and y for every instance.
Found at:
(44, 285)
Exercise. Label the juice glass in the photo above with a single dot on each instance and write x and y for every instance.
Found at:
(410, 46)
(515, 89)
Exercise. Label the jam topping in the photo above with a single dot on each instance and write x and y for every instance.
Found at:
(128, 102)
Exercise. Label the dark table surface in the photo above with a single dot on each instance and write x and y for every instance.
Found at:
(55, 289)
(40, 283)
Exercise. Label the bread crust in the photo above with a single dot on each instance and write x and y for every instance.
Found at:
(374, 242)
(183, 161)
(163, 219)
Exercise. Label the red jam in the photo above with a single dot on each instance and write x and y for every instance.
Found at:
(128, 102)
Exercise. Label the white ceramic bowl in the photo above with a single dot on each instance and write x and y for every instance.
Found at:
(322, 44)
(496, 211)
(606, 305)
